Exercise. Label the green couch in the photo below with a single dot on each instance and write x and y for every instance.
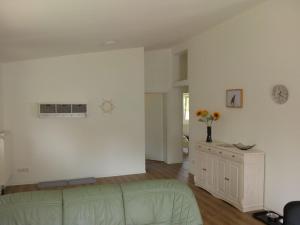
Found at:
(154, 202)
(31, 208)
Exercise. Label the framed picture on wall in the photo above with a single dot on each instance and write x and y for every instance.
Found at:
(234, 98)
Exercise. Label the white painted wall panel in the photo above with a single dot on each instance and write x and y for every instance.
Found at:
(63, 148)
(254, 51)
(154, 126)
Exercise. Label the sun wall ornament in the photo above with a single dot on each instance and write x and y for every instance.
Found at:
(107, 106)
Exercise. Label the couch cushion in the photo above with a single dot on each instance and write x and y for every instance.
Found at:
(160, 202)
(31, 208)
(94, 205)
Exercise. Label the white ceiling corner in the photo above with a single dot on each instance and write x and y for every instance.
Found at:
(44, 28)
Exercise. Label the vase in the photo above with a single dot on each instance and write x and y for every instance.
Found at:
(208, 138)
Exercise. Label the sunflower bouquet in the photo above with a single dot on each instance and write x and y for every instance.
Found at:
(206, 117)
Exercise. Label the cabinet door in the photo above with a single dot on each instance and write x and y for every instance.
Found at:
(200, 169)
(221, 177)
(197, 168)
(210, 171)
(234, 183)
(203, 169)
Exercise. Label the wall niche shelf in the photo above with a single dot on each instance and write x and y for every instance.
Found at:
(180, 67)
(181, 83)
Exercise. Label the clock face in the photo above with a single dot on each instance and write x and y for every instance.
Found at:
(280, 94)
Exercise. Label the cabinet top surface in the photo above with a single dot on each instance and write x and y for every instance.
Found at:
(221, 146)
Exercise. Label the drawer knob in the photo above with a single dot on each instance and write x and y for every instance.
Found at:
(220, 152)
(204, 169)
(209, 149)
(226, 178)
(233, 156)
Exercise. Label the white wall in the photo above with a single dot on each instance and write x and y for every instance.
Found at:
(158, 70)
(100, 145)
(174, 126)
(254, 51)
(155, 136)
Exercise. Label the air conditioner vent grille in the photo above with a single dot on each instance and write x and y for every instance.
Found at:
(79, 108)
(62, 110)
(47, 108)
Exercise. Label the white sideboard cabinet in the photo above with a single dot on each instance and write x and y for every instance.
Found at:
(232, 175)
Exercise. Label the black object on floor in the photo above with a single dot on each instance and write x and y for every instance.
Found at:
(292, 213)
(262, 216)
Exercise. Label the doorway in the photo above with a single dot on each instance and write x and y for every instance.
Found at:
(185, 122)
(155, 126)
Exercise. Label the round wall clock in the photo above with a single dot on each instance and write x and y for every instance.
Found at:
(280, 94)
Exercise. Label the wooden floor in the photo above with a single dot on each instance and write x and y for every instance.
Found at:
(214, 211)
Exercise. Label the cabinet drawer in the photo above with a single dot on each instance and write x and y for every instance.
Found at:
(222, 153)
(233, 156)
(206, 149)
(228, 155)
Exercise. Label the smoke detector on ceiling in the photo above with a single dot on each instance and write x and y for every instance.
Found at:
(110, 42)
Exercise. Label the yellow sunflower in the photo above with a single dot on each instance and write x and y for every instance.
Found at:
(199, 112)
(204, 113)
(216, 115)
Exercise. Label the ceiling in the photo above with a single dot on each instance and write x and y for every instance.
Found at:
(43, 28)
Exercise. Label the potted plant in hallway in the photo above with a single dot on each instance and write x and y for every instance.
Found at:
(208, 118)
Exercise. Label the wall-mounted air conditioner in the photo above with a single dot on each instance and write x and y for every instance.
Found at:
(62, 110)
